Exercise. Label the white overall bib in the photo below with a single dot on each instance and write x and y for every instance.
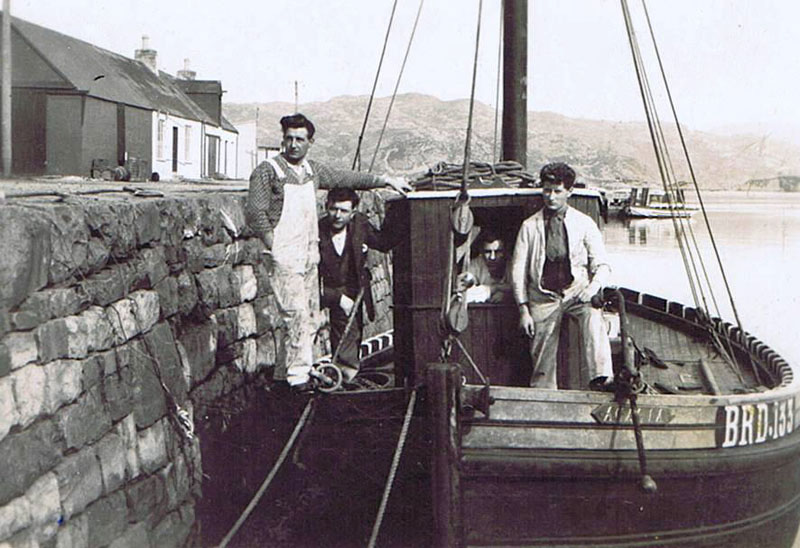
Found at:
(295, 252)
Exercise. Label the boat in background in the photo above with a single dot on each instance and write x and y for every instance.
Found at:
(650, 202)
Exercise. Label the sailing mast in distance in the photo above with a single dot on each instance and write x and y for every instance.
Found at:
(515, 81)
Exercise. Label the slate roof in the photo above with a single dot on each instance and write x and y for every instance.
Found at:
(124, 80)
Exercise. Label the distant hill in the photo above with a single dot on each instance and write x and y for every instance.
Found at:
(424, 130)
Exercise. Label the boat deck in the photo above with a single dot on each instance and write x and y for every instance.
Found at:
(682, 355)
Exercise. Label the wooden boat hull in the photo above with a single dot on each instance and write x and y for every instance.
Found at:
(539, 473)
(657, 213)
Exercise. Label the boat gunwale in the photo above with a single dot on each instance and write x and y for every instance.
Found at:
(663, 309)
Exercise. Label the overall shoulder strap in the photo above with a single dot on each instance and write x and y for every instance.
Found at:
(278, 171)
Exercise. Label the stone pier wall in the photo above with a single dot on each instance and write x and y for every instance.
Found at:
(122, 319)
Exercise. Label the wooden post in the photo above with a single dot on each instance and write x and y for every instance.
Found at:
(444, 384)
(5, 89)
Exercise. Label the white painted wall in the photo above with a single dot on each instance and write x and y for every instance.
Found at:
(226, 151)
(190, 137)
(248, 149)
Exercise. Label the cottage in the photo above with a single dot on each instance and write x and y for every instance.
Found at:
(76, 106)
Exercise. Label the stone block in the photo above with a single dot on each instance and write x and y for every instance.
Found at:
(266, 311)
(146, 309)
(30, 389)
(199, 341)
(69, 236)
(147, 499)
(74, 533)
(122, 319)
(265, 351)
(147, 218)
(246, 321)
(193, 256)
(111, 452)
(167, 290)
(262, 278)
(151, 266)
(173, 530)
(226, 290)
(45, 504)
(161, 345)
(119, 389)
(79, 481)
(26, 456)
(85, 421)
(33, 312)
(126, 429)
(63, 338)
(25, 248)
(21, 347)
(187, 293)
(107, 519)
(215, 255)
(109, 285)
(135, 536)
(97, 255)
(8, 407)
(247, 283)
(208, 289)
(63, 383)
(152, 447)
(97, 366)
(66, 301)
(14, 516)
(149, 399)
(100, 333)
(227, 326)
(250, 251)
(247, 362)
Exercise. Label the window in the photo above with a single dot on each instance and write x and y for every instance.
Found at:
(160, 139)
(187, 144)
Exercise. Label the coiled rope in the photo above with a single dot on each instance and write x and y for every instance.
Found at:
(387, 490)
(272, 473)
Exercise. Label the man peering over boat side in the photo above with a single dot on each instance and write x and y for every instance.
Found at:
(559, 263)
(282, 210)
(492, 278)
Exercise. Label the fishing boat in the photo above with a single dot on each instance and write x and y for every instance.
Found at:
(696, 446)
(647, 202)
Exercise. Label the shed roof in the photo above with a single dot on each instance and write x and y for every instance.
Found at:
(107, 75)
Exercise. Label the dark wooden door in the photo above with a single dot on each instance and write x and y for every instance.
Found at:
(174, 149)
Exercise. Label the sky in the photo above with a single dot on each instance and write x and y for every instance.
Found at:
(731, 64)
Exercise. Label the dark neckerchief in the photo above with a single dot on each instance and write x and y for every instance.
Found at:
(557, 273)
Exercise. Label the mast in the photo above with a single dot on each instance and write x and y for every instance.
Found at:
(515, 81)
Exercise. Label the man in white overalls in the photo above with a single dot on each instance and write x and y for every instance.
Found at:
(282, 210)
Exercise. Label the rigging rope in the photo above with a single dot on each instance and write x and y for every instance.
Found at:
(396, 86)
(272, 473)
(688, 245)
(467, 145)
(691, 168)
(401, 441)
(357, 157)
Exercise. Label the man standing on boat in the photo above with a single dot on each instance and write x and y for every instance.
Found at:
(345, 235)
(559, 263)
(282, 210)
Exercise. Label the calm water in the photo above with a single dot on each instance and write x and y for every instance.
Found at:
(758, 234)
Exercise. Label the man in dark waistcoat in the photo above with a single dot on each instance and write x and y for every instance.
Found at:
(344, 237)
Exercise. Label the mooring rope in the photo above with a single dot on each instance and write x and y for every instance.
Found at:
(272, 473)
(401, 441)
